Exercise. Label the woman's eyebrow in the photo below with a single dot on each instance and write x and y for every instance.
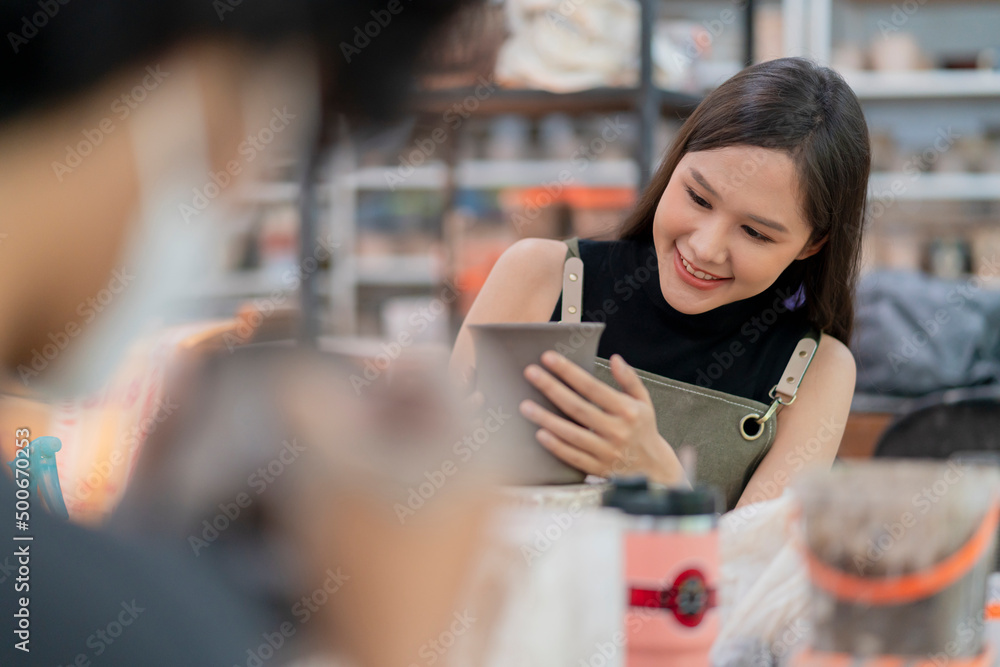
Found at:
(696, 175)
(776, 226)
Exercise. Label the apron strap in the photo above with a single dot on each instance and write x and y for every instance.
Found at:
(784, 392)
(790, 380)
(572, 285)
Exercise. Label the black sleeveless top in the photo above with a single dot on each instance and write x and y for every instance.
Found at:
(740, 348)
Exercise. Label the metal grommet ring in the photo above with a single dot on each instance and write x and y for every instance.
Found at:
(752, 417)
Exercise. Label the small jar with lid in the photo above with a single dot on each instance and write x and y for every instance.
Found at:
(671, 571)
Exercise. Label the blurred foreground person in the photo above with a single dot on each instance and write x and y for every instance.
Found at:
(124, 128)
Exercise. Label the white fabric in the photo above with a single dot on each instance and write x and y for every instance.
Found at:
(764, 589)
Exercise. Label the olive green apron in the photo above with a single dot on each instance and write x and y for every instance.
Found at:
(730, 434)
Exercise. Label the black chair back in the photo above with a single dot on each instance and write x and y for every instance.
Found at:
(959, 421)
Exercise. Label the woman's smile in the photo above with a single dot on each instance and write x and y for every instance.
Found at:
(695, 276)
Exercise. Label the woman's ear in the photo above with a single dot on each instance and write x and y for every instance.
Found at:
(812, 248)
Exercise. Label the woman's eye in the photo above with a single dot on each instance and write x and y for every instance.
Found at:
(698, 200)
(754, 234)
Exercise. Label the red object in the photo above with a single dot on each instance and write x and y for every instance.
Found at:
(689, 598)
(671, 576)
(578, 197)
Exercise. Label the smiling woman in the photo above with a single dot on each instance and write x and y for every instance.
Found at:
(733, 246)
(753, 224)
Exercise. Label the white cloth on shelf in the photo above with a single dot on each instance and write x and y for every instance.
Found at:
(569, 45)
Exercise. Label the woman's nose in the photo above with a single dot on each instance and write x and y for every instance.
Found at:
(708, 243)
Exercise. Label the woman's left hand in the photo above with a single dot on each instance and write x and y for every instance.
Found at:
(616, 431)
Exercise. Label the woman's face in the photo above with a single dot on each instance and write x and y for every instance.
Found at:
(727, 225)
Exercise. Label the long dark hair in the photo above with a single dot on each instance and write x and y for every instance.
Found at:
(810, 112)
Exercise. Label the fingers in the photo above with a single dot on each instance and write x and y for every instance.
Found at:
(571, 403)
(566, 452)
(628, 379)
(581, 381)
(572, 434)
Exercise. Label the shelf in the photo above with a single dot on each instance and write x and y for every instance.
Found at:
(472, 175)
(492, 174)
(925, 84)
(543, 102)
(398, 270)
(433, 176)
(269, 193)
(245, 284)
(923, 187)
(382, 270)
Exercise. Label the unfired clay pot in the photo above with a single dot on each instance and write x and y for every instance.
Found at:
(503, 351)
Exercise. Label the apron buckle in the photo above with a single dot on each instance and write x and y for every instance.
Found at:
(754, 432)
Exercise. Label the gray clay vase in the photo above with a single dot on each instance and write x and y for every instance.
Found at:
(503, 351)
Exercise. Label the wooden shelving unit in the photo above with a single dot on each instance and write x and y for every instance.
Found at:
(536, 103)
(336, 199)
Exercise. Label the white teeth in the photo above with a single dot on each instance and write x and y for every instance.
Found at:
(697, 274)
